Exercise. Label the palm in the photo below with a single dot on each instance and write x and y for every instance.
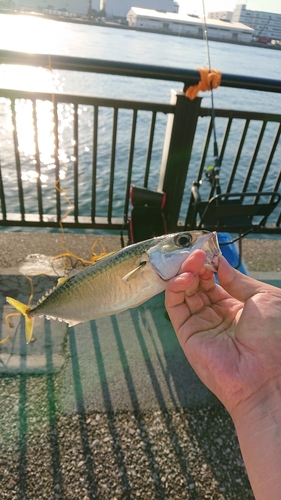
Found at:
(220, 334)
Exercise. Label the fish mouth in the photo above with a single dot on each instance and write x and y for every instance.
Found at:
(212, 250)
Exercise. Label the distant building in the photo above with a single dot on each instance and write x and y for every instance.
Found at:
(266, 25)
(188, 25)
(120, 8)
(73, 6)
(222, 14)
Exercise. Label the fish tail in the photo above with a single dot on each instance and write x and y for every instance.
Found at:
(23, 309)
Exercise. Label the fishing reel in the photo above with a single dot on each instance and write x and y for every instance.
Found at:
(212, 173)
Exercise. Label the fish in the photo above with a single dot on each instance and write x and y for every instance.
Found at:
(122, 280)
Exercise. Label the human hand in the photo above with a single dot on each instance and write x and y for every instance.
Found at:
(231, 334)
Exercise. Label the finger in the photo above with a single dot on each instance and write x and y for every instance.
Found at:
(196, 301)
(188, 278)
(238, 285)
(207, 281)
(193, 276)
(194, 263)
(178, 286)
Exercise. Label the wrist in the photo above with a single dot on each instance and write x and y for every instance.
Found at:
(262, 406)
(258, 426)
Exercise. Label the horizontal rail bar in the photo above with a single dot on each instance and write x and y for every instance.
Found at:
(32, 220)
(102, 223)
(93, 101)
(139, 105)
(244, 115)
(186, 76)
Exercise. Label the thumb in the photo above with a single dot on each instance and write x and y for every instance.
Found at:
(237, 284)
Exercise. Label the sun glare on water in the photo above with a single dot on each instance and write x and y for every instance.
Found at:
(24, 124)
(35, 38)
(35, 35)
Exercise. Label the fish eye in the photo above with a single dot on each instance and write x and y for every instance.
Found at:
(183, 240)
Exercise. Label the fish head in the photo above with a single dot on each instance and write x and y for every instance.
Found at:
(170, 252)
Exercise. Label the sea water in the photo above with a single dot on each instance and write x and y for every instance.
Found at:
(39, 35)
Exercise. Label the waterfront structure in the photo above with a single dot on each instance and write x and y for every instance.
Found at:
(121, 8)
(267, 25)
(71, 6)
(188, 25)
(225, 15)
(105, 173)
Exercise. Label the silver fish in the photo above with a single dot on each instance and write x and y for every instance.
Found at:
(121, 280)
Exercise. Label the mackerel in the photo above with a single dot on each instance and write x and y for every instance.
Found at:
(121, 280)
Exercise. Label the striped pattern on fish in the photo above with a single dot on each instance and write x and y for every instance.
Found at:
(120, 281)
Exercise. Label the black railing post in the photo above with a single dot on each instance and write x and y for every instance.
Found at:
(180, 131)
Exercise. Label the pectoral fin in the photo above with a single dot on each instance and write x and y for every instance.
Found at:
(134, 273)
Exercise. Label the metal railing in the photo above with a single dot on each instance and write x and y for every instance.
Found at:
(90, 217)
(177, 124)
(185, 76)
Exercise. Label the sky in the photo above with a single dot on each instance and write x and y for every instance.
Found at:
(195, 6)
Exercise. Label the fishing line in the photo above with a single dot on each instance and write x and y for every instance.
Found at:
(238, 238)
(212, 174)
(214, 171)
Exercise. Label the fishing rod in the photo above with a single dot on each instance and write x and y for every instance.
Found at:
(213, 171)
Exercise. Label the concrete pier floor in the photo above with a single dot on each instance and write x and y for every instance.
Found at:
(113, 389)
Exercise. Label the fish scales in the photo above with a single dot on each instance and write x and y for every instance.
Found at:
(95, 291)
(121, 280)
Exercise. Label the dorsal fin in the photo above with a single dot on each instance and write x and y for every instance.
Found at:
(62, 280)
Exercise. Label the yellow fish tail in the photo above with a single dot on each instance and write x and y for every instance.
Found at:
(23, 309)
